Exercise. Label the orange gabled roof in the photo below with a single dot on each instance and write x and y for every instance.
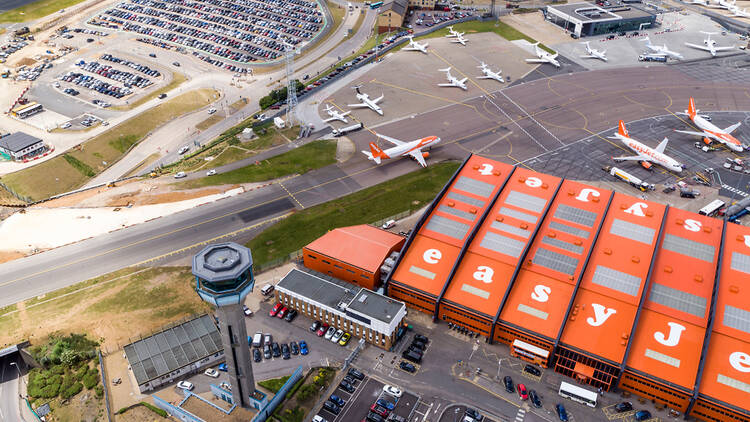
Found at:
(426, 265)
(599, 325)
(538, 303)
(485, 271)
(362, 246)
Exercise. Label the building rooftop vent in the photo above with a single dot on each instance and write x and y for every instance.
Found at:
(362, 298)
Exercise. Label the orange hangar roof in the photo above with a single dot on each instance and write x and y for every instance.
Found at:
(668, 340)
(362, 246)
(606, 304)
(437, 244)
(546, 282)
(726, 374)
(482, 278)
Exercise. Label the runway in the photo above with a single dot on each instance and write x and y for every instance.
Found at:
(527, 124)
(12, 4)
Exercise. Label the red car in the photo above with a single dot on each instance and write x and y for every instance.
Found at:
(522, 392)
(322, 330)
(282, 312)
(380, 410)
(276, 308)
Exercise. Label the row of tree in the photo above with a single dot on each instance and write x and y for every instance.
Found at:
(277, 95)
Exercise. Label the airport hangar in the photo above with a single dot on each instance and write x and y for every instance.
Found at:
(571, 277)
(586, 19)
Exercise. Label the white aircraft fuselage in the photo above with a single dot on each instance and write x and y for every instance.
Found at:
(645, 152)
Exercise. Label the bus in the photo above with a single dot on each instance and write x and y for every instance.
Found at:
(376, 4)
(27, 110)
(712, 208)
(578, 394)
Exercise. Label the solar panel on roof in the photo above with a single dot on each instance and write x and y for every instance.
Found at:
(575, 215)
(632, 231)
(570, 230)
(616, 280)
(447, 226)
(528, 202)
(737, 318)
(474, 186)
(567, 246)
(160, 364)
(465, 199)
(457, 213)
(689, 247)
(502, 244)
(518, 215)
(510, 229)
(679, 300)
(555, 261)
(740, 262)
(140, 374)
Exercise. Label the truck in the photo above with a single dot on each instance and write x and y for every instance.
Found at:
(652, 58)
(737, 210)
(279, 122)
(629, 178)
(347, 129)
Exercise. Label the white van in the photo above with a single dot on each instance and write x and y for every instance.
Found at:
(388, 224)
(258, 339)
(267, 289)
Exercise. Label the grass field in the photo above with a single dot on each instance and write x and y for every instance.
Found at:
(409, 192)
(177, 80)
(61, 174)
(124, 303)
(212, 120)
(300, 160)
(500, 28)
(36, 10)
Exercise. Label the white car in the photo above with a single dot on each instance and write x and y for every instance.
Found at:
(211, 172)
(66, 125)
(211, 110)
(183, 150)
(211, 372)
(318, 418)
(247, 310)
(388, 224)
(392, 390)
(331, 331)
(336, 337)
(180, 175)
(185, 385)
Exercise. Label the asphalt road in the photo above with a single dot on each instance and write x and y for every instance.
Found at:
(9, 410)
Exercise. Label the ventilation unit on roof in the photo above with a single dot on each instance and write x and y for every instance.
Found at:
(362, 299)
(342, 306)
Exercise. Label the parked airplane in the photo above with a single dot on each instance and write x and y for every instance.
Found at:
(709, 131)
(736, 12)
(489, 74)
(335, 115)
(594, 53)
(452, 80)
(722, 4)
(701, 2)
(661, 50)
(460, 39)
(645, 152)
(367, 102)
(452, 33)
(415, 46)
(709, 44)
(543, 56)
(412, 149)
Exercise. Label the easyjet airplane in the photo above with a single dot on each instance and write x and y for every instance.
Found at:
(412, 149)
(710, 131)
(645, 152)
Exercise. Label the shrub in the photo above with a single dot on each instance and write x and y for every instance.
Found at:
(72, 390)
(306, 392)
(151, 407)
(90, 380)
(99, 391)
(50, 391)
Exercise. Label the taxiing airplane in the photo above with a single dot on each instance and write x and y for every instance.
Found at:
(452, 33)
(460, 39)
(489, 74)
(367, 102)
(645, 152)
(452, 80)
(594, 53)
(543, 56)
(415, 46)
(335, 115)
(661, 50)
(411, 149)
(709, 131)
(709, 44)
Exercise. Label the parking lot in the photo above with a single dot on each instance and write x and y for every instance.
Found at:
(242, 31)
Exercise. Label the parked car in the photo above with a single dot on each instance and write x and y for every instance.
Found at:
(282, 312)
(356, 374)
(331, 407)
(533, 370)
(294, 347)
(508, 382)
(223, 367)
(275, 349)
(330, 332)
(275, 310)
(561, 413)
(211, 173)
(421, 338)
(346, 387)
(318, 418)
(408, 367)
(338, 401)
(642, 415)
(180, 175)
(534, 398)
(211, 372)
(185, 385)
(290, 315)
(245, 309)
(303, 348)
(285, 353)
(345, 339)
(625, 406)
(374, 417)
(256, 355)
(380, 410)
(522, 393)
(337, 336)
(315, 325)
(322, 330)
(385, 403)
(473, 414)
(267, 338)
(392, 390)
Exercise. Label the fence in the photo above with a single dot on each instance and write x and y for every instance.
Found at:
(104, 385)
(267, 411)
(354, 353)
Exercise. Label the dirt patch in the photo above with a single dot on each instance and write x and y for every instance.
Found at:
(138, 414)
(176, 196)
(77, 198)
(10, 256)
(26, 61)
(84, 407)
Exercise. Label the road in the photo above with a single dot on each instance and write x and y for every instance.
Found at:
(9, 400)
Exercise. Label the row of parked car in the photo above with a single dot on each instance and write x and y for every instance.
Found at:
(90, 82)
(32, 73)
(10, 48)
(437, 18)
(414, 352)
(133, 65)
(128, 79)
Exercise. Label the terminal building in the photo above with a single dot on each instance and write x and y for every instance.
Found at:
(611, 290)
(586, 19)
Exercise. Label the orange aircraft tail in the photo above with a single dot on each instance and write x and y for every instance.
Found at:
(377, 152)
(622, 131)
(691, 108)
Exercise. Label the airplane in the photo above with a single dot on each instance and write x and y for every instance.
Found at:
(489, 74)
(710, 45)
(452, 33)
(709, 131)
(736, 12)
(701, 2)
(335, 115)
(721, 4)
(412, 149)
(543, 56)
(661, 50)
(452, 80)
(594, 53)
(645, 152)
(367, 102)
(415, 46)
(459, 39)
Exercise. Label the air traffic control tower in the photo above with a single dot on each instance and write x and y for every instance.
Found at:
(223, 277)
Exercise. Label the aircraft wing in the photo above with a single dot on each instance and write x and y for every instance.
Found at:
(631, 158)
(377, 100)
(689, 132)
(417, 155)
(330, 119)
(358, 105)
(537, 61)
(725, 48)
(662, 145)
(391, 140)
(590, 56)
(698, 46)
(732, 128)
(462, 80)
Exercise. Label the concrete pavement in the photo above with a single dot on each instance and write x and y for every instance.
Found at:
(9, 394)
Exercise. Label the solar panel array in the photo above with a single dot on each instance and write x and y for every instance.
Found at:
(448, 227)
(632, 231)
(575, 215)
(741, 262)
(555, 261)
(569, 230)
(616, 280)
(457, 213)
(525, 201)
(737, 318)
(502, 244)
(171, 349)
(689, 247)
(518, 215)
(465, 199)
(677, 299)
(478, 188)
